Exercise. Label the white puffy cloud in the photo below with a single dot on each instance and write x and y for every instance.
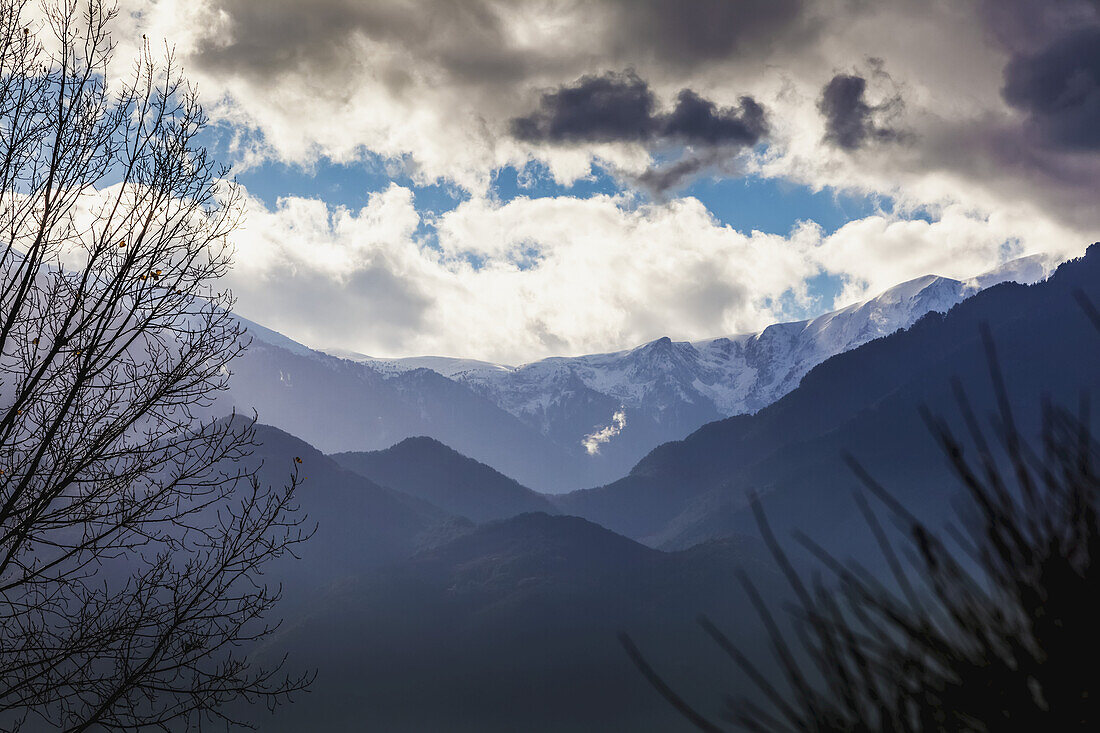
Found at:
(876, 252)
(516, 281)
(508, 282)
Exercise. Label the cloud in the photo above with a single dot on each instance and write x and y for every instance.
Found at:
(516, 281)
(689, 33)
(608, 108)
(315, 271)
(965, 145)
(594, 440)
(617, 107)
(621, 108)
(849, 119)
(1028, 25)
(661, 179)
(877, 252)
(507, 282)
(467, 38)
(698, 121)
(1058, 87)
(434, 87)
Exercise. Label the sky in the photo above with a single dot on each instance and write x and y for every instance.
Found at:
(513, 179)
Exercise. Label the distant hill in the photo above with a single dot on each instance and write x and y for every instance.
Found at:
(360, 525)
(339, 405)
(864, 401)
(427, 469)
(513, 627)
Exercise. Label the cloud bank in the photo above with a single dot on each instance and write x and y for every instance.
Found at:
(996, 144)
(513, 282)
(455, 90)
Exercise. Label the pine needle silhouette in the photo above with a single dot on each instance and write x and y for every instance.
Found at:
(995, 629)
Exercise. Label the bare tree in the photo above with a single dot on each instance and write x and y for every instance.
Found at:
(132, 535)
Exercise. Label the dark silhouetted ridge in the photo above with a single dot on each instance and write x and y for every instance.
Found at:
(429, 470)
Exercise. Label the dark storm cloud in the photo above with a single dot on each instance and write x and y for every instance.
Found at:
(847, 114)
(622, 108)
(849, 119)
(608, 108)
(696, 120)
(1058, 87)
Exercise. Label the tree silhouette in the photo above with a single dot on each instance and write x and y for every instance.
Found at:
(993, 628)
(132, 536)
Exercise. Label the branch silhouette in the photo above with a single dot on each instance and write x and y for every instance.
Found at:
(133, 528)
(990, 630)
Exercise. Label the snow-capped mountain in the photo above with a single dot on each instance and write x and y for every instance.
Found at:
(569, 422)
(721, 377)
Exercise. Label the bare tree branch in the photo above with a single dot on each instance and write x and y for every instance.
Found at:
(133, 529)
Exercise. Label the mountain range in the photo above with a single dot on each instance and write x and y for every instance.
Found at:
(568, 422)
(439, 593)
(866, 402)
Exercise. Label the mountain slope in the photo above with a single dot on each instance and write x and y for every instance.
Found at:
(427, 469)
(339, 405)
(359, 524)
(664, 390)
(513, 627)
(864, 401)
(562, 423)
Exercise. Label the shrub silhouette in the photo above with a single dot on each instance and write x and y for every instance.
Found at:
(994, 628)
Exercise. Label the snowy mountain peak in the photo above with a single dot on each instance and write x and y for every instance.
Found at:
(904, 291)
(608, 410)
(1024, 270)
(273, 338)
(662, 343)
(732, 374)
